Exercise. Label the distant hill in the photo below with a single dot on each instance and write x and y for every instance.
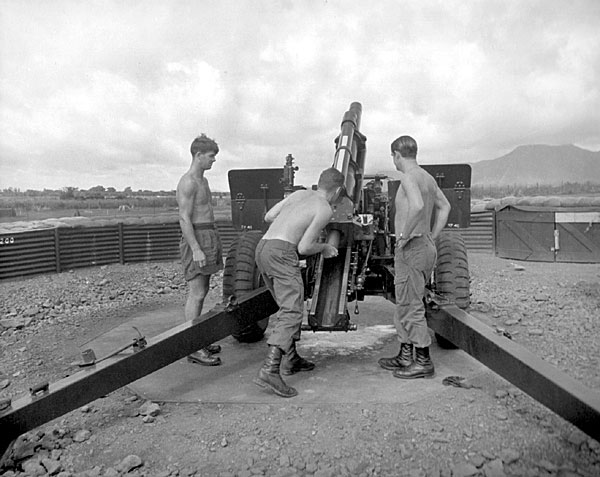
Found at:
(539, 164)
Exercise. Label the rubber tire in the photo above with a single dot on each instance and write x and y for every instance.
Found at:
(241, 276)
(451, 275)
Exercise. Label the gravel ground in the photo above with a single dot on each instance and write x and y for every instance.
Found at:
(489, 429)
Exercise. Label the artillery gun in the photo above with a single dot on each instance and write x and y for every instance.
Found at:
(361, 228)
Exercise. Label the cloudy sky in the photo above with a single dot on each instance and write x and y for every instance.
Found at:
(112, 92)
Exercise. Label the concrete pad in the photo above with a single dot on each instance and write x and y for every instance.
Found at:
(346, 372)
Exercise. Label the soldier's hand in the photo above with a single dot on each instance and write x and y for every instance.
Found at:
(329, 251)
(199, 258)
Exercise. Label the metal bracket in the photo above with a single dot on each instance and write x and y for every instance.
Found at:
(240, 200)
(88, 357)
(459, 188)
(439, 177)
(39, 389)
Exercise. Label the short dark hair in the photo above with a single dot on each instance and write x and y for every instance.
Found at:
(203, 144)
(406, 146)
(330, 179)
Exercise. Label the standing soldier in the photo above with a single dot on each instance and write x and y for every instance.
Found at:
(200, 247)
(418, 200)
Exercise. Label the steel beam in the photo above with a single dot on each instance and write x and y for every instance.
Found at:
(54, 400)
(553, 388)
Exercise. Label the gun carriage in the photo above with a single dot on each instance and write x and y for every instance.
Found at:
(362, 230)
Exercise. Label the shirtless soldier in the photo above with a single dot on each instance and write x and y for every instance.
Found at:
(296, 223)
(200, 246)
(418, 200)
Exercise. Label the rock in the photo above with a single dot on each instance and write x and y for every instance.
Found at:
(82, 435)
(464, 470)
(541, 297)
(501, 393)
(4, 383)
(494, 468)
(567, 473)
(547, 465)
(224, 442)
(477, 460)
(16, 323)
(501, 415)
(325, 472)
(576, 438)
(111, 472)
(535, 331)
(33, 468)
(509, 455)
(49, 442)
(52, 467)
(23, 449)
(488, 455)
(129, 463)
(148, 419)
(149, 408)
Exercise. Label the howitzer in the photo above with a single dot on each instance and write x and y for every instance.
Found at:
(362, 229)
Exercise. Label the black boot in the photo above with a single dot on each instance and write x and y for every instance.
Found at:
(269, 377)
(293, 363)
(404, 358)
(213, 348)
(421, 368)
(204, 357)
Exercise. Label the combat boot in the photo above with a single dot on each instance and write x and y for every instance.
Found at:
(421, 368)
(213, 348)
(204, 357)
(269, 376)
(404, 358)
(293, 363)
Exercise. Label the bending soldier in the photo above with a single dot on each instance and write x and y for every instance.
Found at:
(418, 200)
(296, 224)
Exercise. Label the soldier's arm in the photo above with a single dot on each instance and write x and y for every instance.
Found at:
(274, 211)
(185, 200)
(308, 244)
(414, 205)
(441, 212)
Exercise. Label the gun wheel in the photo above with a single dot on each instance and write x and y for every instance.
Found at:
(451, 275)
(241, 276)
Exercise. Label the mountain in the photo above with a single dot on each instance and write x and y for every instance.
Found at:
(539, 164)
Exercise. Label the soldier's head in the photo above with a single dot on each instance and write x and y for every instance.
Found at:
(203, 144)
(331, 181)
(406, 146)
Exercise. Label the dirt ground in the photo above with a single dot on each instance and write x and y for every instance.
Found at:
(489, 429)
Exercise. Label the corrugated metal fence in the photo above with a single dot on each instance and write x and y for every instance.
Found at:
(65, 248)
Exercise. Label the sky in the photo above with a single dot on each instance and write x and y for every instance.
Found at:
(112, 93)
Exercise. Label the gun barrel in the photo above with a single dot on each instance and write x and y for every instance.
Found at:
(350, 151)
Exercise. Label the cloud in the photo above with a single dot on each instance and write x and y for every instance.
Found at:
(113, 93)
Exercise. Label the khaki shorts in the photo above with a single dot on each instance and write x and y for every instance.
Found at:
(210, 243)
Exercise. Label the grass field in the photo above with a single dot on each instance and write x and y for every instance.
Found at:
(222, 212)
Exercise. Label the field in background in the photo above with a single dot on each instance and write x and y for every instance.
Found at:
(108, 209)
